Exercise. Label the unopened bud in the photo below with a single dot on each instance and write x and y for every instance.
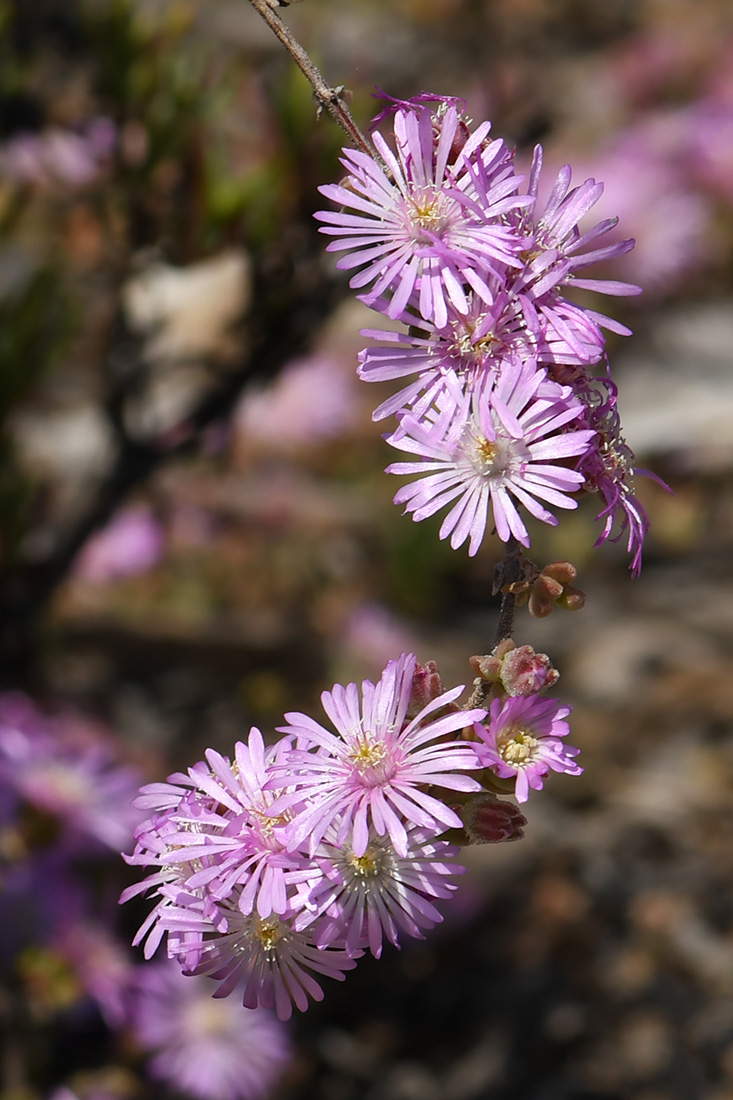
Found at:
(489, 666)
(426, 686)
(553, 588)
(524, 672)
(540, 609)
(562, 571)
(491, 820)
(572, 599)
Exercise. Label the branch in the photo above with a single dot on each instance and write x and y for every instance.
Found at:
(508, 573)
(327, 97)
(282, 327)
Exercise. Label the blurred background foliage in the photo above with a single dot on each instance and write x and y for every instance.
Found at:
(196, 533)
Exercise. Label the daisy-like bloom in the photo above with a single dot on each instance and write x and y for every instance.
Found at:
(429, 220)
(507, 438)
(524, 738)
(233, 828)
(359, 899)
(166, 883)
(212, 831)
(559, 250)
(208, 1049)
(267, 959)
(478, 342)
(100, 963)
(468, 346)
(372, 773)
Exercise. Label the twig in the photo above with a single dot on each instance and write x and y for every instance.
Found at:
(328, 98)
(510, 571)
(284, 328)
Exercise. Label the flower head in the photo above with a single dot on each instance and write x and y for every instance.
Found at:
(65, 770)
(429, 220)
(208, 1049)
(508, 438)
(267, 959)
(523, 738)
(372, 772)
(358, 899)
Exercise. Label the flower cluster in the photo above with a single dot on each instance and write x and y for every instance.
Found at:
(500, 410)
(290, 861)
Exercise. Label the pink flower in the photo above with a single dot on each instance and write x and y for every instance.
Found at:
(372, 773)
(208, 1049)
(311, 400)
(507, 438)
(101, 965)
(559, 249)
(69, 771)
(130, 544)
(267, 959)
(59, 157)
(229, 822)
(523, 738)
(430, 220)
(358, 899)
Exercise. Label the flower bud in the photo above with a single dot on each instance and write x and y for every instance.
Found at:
(524, 672)
(426, 686)
(562, 571)
(553, 587)
(491, 820)
(572, 599)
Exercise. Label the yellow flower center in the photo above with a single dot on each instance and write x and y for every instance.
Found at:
(365, 866)
(516, 746)
(269, 933)
(486, 450)
(367, 754)
(428, 213)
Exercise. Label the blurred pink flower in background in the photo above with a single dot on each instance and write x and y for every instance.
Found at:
(372, 634)
(313, 399)
(102, 966)
(132, 543)
(67, 770)
(56, 156)
(654, 201)
(709, 145)
(209, 1049)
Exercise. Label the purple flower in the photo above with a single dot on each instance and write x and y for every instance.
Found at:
(523, 738)
(167, 883)
(267, 959)
(506, 438)
(208, 1049)
(130, 544)
(646, 172)
(358, 899)
(59, 157)
(229, 823)
(475, 344)
(430, 220)
(101, 965)
(559, 250)
(66, 769)
(608, 466)
(372, 773)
